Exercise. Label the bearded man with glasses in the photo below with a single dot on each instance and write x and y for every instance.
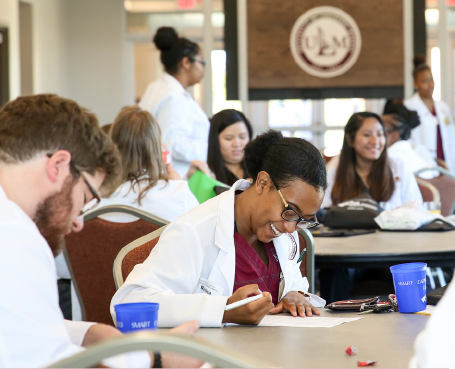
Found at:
(53, 160)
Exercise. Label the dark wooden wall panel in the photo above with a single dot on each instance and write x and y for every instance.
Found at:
(270, 62)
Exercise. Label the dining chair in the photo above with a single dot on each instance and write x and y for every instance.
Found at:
(90, 254)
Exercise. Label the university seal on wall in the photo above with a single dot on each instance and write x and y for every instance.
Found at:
(325, 41)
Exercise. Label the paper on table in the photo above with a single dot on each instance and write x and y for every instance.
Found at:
(308, 322)
(428, 311)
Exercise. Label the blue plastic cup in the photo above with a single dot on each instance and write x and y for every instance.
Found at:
(137, 316)
(410, 286)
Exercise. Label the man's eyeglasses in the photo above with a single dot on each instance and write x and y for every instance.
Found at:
(93, 203)
(291, 215)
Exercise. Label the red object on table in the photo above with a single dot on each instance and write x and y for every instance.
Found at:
(366, 363)
(351, 350)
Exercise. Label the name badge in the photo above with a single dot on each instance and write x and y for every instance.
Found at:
(447, 121)
(204, 286)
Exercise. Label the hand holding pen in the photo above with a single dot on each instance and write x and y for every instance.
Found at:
(244, 310)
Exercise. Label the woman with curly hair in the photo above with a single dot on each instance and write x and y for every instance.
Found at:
(240, 243)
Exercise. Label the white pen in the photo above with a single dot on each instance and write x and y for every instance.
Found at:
(243, 302)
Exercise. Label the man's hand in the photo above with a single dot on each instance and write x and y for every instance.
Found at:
(296, 304)
(171, 360)
(251, 313)
(99, 332)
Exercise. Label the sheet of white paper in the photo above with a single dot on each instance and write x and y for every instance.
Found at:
(308, 322)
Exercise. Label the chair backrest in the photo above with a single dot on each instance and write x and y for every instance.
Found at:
(307, 267)
(134, 253)
(445, 183)
(428, 191)
(91, 252)
(137, 251)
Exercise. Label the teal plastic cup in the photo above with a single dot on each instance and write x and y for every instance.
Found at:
(137, 316)
(410, 284)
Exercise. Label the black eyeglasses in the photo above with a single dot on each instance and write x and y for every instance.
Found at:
(93, 203)
(203, 62)
(291, 215)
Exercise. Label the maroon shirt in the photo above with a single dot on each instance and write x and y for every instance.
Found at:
(250, 269)
(439, 147)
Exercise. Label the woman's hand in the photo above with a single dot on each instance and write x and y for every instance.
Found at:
(295, 303)
(171, 173)
(201, 165)
(251, 313)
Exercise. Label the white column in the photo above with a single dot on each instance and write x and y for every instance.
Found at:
(207, 51)
(408, 54)
(242, 42)
(443, 42)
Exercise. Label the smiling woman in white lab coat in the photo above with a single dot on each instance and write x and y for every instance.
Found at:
(364, 167)
(238, 244)
(436, 131)
(184, 125)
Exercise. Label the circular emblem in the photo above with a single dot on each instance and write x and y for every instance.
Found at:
(325, 41)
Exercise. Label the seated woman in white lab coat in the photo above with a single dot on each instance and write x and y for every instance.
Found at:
(230, 131)
(363, 166)
(240, 243)
(398, 123)
(145, 181)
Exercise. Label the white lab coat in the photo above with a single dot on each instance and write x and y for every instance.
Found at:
(165, 200)
(425, 133)
(198, 245)
(433, 347)
(406, 188)
(402, 150)
(184, 125)
(33, 332)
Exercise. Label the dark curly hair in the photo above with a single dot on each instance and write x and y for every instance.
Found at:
(402, 119)
(285, 159)
(174, 48)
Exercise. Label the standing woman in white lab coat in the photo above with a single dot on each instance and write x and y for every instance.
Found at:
(240, 243)
(436, 131)
(184, 125)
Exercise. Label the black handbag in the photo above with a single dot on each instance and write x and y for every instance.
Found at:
(358, 213)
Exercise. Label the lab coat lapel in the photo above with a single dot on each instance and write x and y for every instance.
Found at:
(224, 238)
(283, 245)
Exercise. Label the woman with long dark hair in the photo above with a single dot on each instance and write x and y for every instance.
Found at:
(230, 131)
(363, 166)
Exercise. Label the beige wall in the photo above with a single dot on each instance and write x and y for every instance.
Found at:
(80, 51)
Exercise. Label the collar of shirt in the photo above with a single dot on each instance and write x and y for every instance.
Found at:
(174, 84)
(14, 212)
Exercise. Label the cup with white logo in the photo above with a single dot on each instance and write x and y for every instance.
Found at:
(410, 285)
(137, 316)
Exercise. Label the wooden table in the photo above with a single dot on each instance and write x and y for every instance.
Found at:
(383, 249)
(386, 338)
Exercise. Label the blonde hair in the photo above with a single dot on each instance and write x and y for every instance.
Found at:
(138, 138)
